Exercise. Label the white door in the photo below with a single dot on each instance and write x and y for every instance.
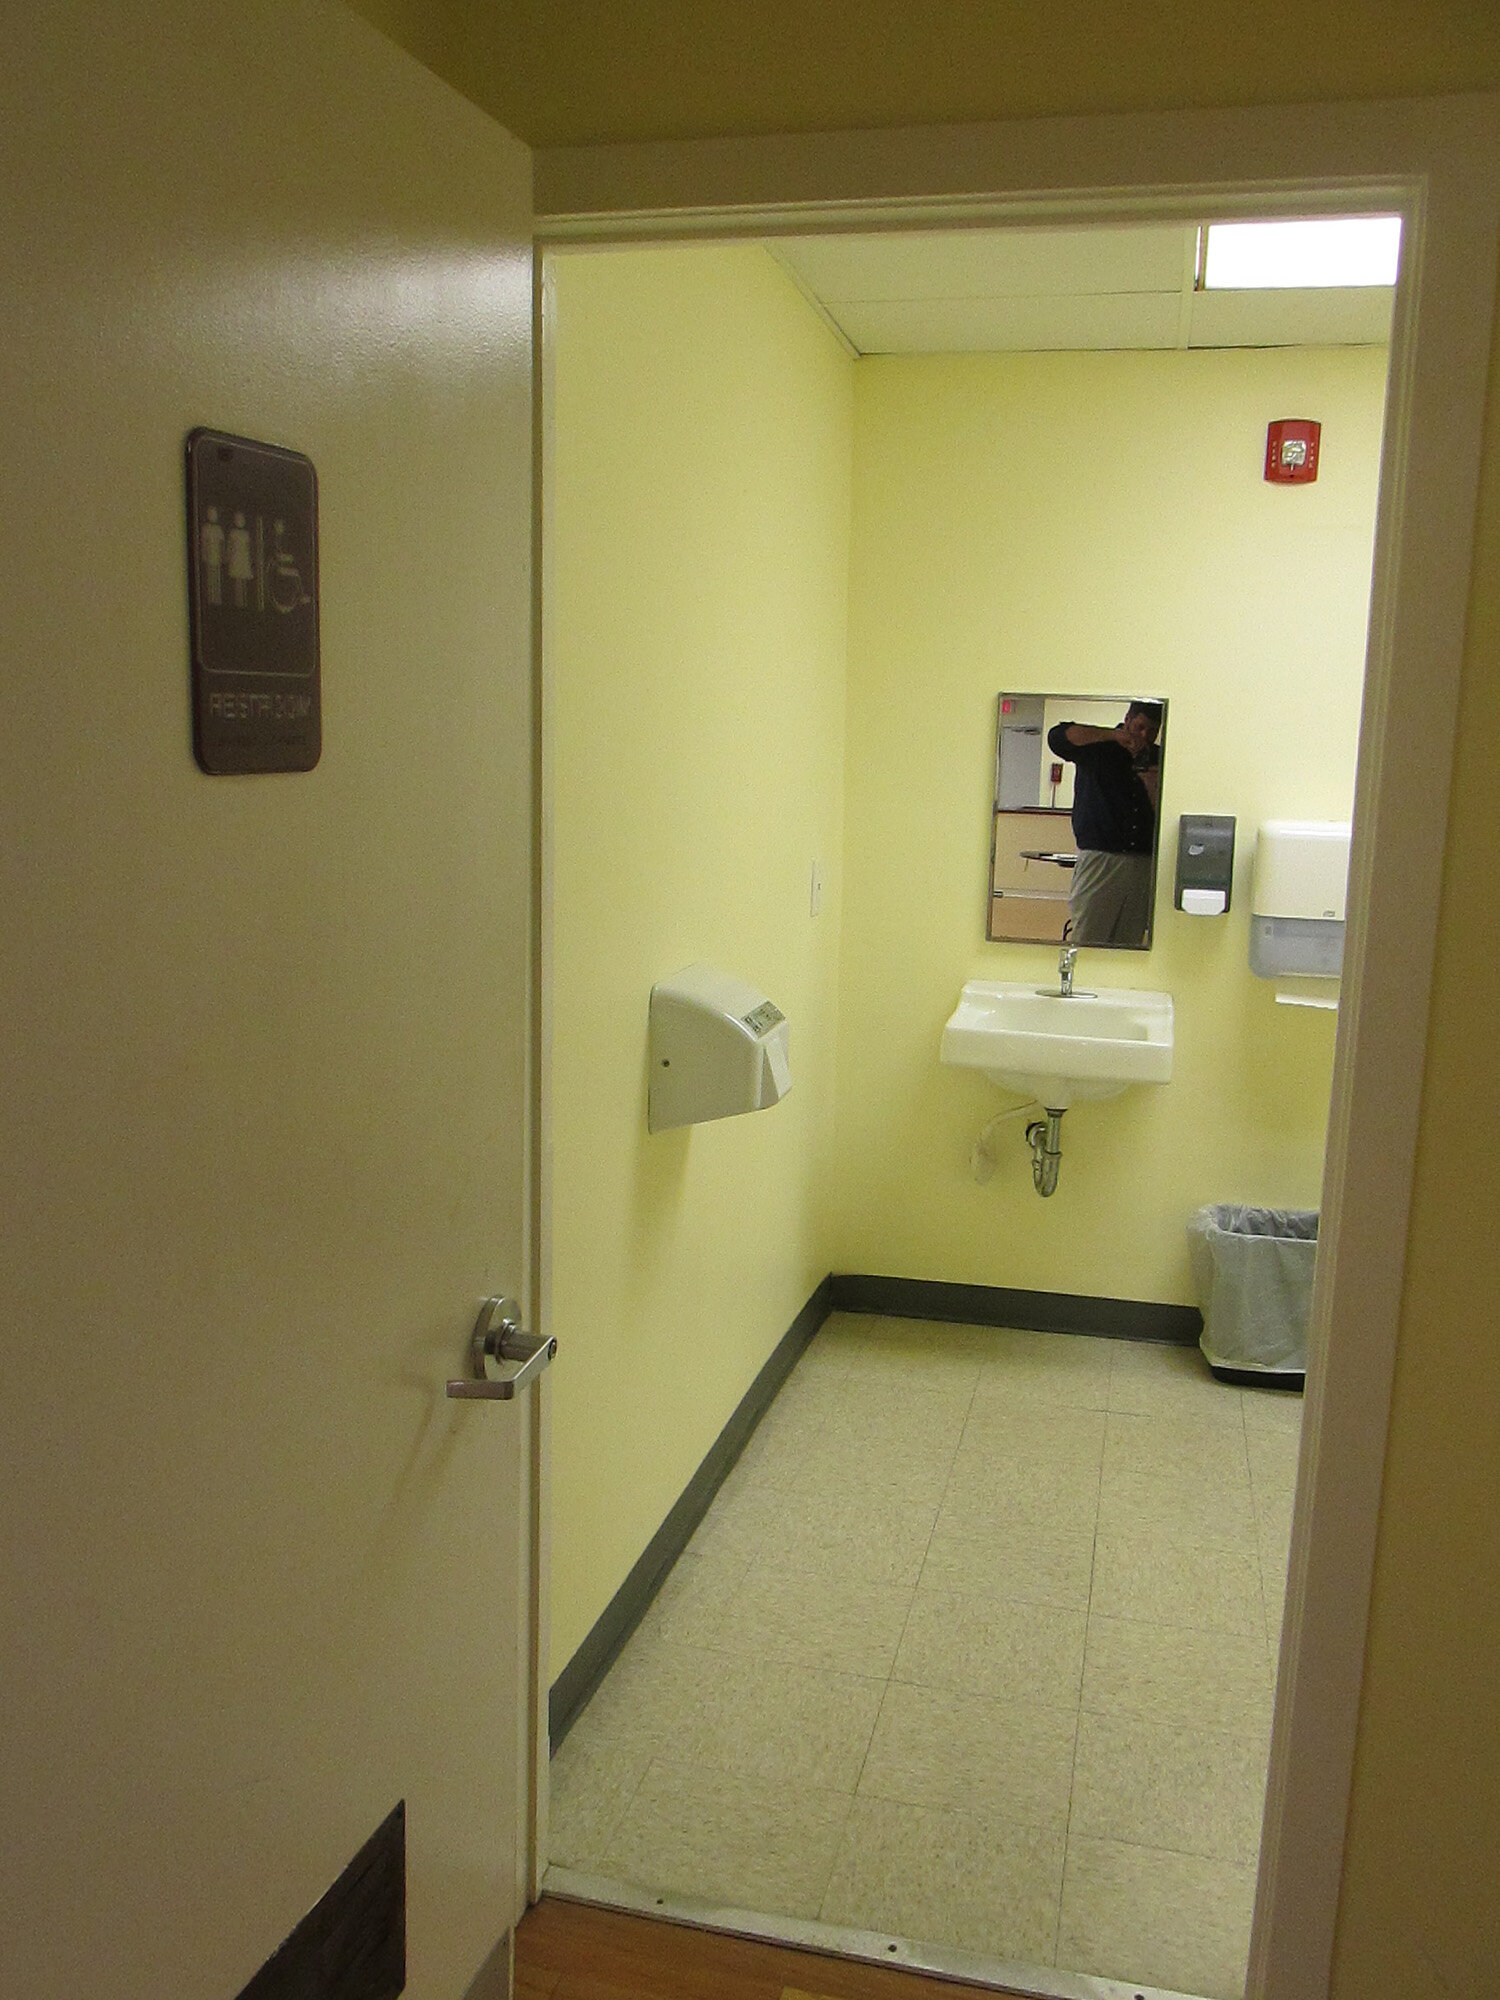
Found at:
(263, 1040)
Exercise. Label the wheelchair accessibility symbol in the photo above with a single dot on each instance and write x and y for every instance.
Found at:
(284, 578)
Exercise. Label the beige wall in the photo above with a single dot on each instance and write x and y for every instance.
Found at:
(1088, 523)
(262, 1074)
(696, 637)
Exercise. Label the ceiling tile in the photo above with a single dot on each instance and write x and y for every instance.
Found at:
(990, 263)
(1358, 316)
(976, 326)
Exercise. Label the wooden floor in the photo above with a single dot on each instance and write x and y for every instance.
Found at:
(572, 1951)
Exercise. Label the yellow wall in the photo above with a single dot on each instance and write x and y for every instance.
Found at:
(1088, 523)
(696, 641)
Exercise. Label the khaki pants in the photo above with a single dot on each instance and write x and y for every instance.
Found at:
(1109, 901)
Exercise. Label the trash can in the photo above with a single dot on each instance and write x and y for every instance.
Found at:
(1253, 1268)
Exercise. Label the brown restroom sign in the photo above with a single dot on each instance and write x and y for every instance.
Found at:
(252, 522)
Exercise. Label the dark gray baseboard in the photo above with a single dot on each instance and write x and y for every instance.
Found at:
(576, 1683)
(999, 1305)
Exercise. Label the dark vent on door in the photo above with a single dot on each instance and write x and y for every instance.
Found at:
(351, 1945)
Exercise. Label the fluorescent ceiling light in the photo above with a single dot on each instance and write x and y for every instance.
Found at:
(1343, 250)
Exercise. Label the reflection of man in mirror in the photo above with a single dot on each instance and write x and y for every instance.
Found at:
(1116, 782)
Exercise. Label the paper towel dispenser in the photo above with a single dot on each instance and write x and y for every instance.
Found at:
(718, 1047)
(1297, 898)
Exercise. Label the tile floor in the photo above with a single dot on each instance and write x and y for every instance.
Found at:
(977, 1645)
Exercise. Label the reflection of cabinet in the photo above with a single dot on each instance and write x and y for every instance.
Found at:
(1031, 867)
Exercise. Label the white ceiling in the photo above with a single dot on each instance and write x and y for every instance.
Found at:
(964, 291)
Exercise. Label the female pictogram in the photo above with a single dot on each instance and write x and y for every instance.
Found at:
(211, 551)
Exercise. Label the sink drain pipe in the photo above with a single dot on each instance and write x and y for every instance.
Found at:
(1046, 1152)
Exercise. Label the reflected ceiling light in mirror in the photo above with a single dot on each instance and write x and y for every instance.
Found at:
(1331, 252)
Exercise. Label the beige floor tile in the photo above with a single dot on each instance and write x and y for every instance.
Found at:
(778, 1721)
(1140, 1913)
(1066, 1368)
(1273, 1409)
(949, 1878)
(829, 1355)
(1024, 1652)
(777, 1445)
(1273, 1517)
(1275, 1632)
(1144, 1445)
(728, 1839)
(697, 1591)
(880, 1435)
(901, 1408)
(829, 1460)
(1215, 1508)
(1156, 1784)
(1219, 1680)
(935, 1748)
(592, 1779)
(1275, 1558)
(845, 1535)
(1156, 1379)
(984, 1487)
(1036, 1433)
(848, 1402)
(1273, 1465)
(843, 1624)
(1025, 1561)
(749, 1481)
(808, 1391)
(654, 1685)
(927, 1348)
(886, 1471)
(1164, 1575)
(1273, 1537)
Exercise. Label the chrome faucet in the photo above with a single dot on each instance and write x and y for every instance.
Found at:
(1065, 971)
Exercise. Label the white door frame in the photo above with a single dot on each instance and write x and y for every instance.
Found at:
(1437, 163)
(536, 1737)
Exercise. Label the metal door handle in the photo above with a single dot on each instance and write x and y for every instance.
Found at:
(497, 1337)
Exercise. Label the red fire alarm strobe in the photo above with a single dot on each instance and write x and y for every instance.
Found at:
(1292, 450)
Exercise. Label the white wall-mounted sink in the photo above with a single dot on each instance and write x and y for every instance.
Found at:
(1060, 1051)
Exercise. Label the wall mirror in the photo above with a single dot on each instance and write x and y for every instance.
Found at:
(1076, 820)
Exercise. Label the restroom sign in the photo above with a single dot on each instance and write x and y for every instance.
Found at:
(252, 522)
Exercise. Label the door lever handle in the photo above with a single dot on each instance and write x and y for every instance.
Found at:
(497, 1338)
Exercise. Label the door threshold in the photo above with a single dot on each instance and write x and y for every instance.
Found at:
(1028, 1982)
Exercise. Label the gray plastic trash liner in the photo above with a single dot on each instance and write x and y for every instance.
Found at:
(1254, 1271)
